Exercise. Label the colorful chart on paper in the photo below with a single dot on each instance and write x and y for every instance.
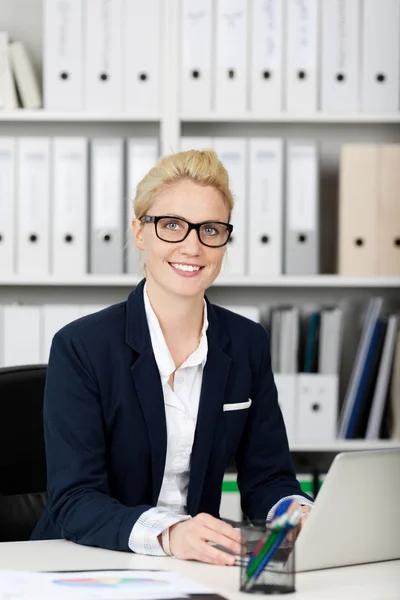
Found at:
(116, 583)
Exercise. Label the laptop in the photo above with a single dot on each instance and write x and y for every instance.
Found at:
(356, 515)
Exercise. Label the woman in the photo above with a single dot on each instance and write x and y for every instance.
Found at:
(147, 401)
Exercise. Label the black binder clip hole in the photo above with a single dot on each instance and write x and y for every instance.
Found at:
(315, 407)
(64, 76)
(302, 238)
(396, 242)
(33, 238)
(265, 239)
(231, 74)
(196, 74)
(381, 77)
(107, 237)
(69, 238)
(104, 77)
(359, 242)
(340, 77)
(302, 75)
(1, 237)
(143, 76)
(266, 74)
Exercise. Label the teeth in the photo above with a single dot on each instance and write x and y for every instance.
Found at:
(185, 267)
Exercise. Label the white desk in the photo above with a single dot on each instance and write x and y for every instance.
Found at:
(379, 581)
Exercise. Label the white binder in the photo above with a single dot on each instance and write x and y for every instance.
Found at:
(8, 94)
(340, 55)
(302, 55)
(317, 407)
(195, 143)
(286, 385)
(196, 62)
(54, 317)
(69, 207)
(265, 233)
(247, 310)
(302, 209)
(103, 55)
(33, 206)
(142, 45)
(266, 58)
(142, 156)
(7, 206)
(106, 206)
(381, 56)
(231, 56)
(232, 152)
(63, 54)
(21, 335)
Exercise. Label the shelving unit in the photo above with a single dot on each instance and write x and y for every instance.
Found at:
(331, 130)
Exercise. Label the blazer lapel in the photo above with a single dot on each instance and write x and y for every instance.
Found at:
(215, 376)
(146, 379)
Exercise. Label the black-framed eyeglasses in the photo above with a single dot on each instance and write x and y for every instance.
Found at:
(175, 229)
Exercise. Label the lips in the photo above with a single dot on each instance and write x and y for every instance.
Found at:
(186, 270)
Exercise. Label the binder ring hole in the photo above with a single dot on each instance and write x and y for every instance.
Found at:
(195, 74)
(33, 238)
(143, 76)
(265, 239)
(107, 237)
(396, 242)
(1, 237)
(64, 76)
(302, 74)
(359, 242)
(104, 77)
(315, 407)
(266, 74)
(340, 77)
(230, 241)
(231, 74)
(302, 238)
(380, 77)
(69, 238)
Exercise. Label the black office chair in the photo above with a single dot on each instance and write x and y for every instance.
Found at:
(22, 453)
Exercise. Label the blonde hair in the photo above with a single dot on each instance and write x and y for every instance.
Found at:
(200, 166)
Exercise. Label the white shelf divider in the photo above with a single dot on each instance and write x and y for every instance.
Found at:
(318, 117)
(40, 115)
(320, 281)
(343, 445)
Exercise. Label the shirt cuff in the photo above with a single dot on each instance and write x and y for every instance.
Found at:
(300, 499)
(144, 534)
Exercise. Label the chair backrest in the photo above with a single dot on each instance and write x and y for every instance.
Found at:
(22, 452)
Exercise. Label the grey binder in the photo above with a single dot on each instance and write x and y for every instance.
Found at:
(301, 254)
(106, 206)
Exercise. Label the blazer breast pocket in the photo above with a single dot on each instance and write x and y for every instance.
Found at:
(236, 406)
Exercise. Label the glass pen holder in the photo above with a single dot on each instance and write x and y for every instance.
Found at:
(267, 565)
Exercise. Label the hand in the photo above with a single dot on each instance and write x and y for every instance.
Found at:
(188, 540)
(305, 509)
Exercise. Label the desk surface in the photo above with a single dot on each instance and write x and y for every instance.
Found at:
(378, 581)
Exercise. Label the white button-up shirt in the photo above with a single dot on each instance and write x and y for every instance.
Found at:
(181, 408)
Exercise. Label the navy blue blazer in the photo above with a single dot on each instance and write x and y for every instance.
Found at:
(105, 427)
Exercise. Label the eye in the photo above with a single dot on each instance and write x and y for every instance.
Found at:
(172, 225)
(210, 230)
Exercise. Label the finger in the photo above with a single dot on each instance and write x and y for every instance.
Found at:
(221, 526)
(209, 554)
(210, 535)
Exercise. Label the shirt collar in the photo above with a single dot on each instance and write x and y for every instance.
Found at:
(162, 355)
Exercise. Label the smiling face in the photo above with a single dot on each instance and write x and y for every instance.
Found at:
(174, 266)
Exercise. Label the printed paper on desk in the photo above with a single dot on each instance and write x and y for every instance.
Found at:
(97, 585)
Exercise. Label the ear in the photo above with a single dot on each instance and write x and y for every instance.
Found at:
(138, 233)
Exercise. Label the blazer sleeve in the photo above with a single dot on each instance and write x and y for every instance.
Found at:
(263, 461)
(80, 504)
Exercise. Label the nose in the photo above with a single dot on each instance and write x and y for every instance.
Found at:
(191, 245)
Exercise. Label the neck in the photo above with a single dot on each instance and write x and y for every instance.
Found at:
(180, 317)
